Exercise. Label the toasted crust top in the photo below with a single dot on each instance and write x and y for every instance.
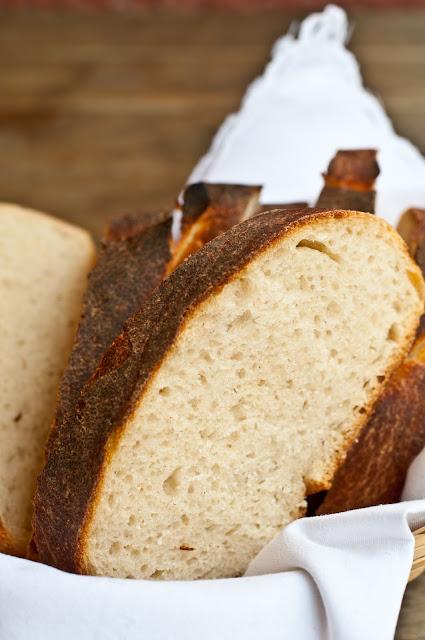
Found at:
(80, 447)
(355, 169)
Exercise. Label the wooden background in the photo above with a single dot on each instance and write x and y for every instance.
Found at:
(106, 113)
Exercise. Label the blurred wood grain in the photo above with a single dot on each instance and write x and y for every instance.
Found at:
(106, 113)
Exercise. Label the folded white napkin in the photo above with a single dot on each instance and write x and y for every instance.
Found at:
(338, 577)
(309, 103)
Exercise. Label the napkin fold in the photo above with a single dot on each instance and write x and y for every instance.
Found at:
(337, 577)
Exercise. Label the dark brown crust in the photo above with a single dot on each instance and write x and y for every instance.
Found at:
(67, 486)
(126, 227)
(375, 469)
(355, 169)
(335, 197)
(262, 208)
(131, 264)
(208, 210)
(412, 229)
(349, 181)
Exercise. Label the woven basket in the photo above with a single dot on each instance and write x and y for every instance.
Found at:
(418, 565)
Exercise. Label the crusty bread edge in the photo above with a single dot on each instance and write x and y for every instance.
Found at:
(290, 222)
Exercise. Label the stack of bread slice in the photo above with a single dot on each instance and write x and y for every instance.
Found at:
(44, 264)
(230, 396)
(228, 363)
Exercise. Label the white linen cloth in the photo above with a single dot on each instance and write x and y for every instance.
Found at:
(338, 577)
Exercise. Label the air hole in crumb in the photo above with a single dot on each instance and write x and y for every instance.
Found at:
(393, 333)
(186, 547)
(362, 410)
(172, 484)
(132, 520)
(315, 245)
(205, 355)
(244, 288)
(157, 574)
(380, 378)
(303, 283)
(185, 519)
(237, 355)
(333, 353)
(165, 391)
(333, 308)
(203, 378)
(243, 318)
(241, 373)
(18, 417)
(416, 280)
(114, 548)
(231, 531)
(238, 410)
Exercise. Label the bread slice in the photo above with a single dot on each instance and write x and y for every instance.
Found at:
(231, 396)
(395, 432)
(43, 272)
(350, 181)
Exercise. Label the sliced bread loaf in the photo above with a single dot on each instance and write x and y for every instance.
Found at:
(232, 395)
(43, 273)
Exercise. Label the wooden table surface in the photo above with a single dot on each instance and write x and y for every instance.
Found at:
(102, 114)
